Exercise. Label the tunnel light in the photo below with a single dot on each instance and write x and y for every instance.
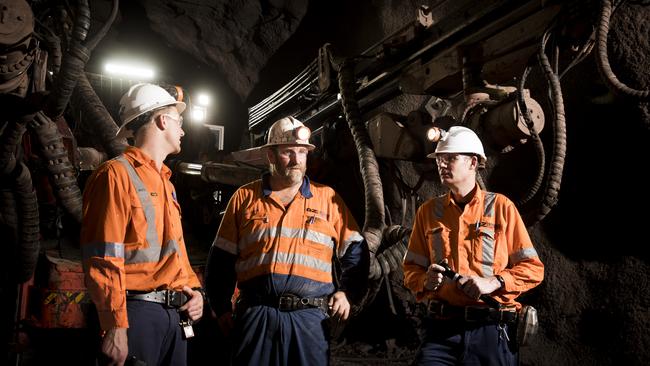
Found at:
(129, 70)
(198, 113)
(203, 99)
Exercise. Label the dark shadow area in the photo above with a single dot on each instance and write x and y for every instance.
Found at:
(325, 22)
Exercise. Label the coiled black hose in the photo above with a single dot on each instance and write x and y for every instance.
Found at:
(62, 174)
(20, 207)
(602, 60)
(97, 117)
(539, 146)
(27, 207)
(11, 137)
(556, 167)
(74, 62)
(374, 197)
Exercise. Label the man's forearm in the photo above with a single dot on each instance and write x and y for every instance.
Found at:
(354, 270)
(220, 279)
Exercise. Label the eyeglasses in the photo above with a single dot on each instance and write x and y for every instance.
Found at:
(447, 158)
(178, 119)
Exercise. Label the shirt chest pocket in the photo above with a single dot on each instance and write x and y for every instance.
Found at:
(439, 242)
(145, 211)
(256, 232)
(487, 242)
(317, 235)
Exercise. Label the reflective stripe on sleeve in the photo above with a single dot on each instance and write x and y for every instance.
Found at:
(225, 245)
(103, 250)
(354, 238)
(522, 255)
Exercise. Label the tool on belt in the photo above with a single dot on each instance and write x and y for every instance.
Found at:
(168, 298)
(527, 326)
(526, 318)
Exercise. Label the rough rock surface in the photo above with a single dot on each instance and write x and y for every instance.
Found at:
(237, 37)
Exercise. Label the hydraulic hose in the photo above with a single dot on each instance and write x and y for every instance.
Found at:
(52, 43)
(602, 60)
(27, 207)
(74, 62)
(539, 146)
(374, 197)
(22, 215)
(9, 140)
(96, 117)
(62, 174)
(554, 178)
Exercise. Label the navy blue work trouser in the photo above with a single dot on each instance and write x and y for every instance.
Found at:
(459, 343)
(155, 335)
(267, 336)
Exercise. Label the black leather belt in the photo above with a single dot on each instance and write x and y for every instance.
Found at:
(169, 298)
(442, 311)
(286, 302)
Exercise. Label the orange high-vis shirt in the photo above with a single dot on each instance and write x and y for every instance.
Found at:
(131, 235)
(487, 238)
(298, 240)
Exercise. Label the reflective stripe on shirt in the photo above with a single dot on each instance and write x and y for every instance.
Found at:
(155, 251)
(488, 238)
(288, 233)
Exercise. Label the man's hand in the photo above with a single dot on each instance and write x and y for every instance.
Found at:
(339, 306)
(194, 306)
(434, 277)
(476, 286)
(115, 346)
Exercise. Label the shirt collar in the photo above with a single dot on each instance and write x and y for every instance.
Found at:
(140, 158)
(476, 198)
(305, 188)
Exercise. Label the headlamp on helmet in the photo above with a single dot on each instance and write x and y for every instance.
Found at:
(302, 133)
(434, 134)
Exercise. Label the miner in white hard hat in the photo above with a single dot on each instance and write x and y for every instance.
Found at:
(136, 266)
(277, 240)
(480, 236)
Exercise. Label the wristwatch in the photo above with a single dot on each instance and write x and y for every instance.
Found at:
(501, 282)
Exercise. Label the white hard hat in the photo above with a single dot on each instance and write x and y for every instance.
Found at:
(143, 98)
(460, 140)
(289, 131)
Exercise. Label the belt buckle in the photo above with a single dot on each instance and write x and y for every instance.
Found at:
(480, 314)
(169, 298)
(507, 316)
(173, 299)
(285, 303)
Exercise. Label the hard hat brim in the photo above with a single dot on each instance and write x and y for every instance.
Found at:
(124, 132)
(309, 146)
(482, 159)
